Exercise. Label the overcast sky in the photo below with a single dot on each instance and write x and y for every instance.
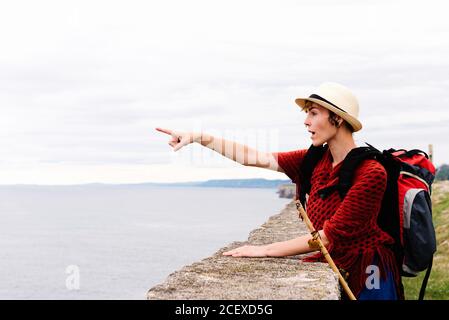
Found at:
(83, 84)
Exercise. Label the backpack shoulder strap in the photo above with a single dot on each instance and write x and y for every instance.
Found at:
(347, 170)
(351, 162)
(308, 164)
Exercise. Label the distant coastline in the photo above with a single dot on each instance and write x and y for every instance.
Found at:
(216, 183)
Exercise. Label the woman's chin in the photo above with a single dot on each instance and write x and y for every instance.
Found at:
(317, 143)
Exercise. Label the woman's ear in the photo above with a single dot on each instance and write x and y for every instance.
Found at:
(339, 121)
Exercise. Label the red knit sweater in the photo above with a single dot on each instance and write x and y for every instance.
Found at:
(351, 224)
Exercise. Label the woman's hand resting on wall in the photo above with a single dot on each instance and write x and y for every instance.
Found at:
(247, 251)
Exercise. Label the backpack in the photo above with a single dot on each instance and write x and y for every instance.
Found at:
(406, 210)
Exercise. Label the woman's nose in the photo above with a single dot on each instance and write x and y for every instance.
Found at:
(307, 122)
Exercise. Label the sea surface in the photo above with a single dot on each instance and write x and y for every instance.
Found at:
(116, 242)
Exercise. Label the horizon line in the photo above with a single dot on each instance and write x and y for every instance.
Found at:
(133, 183)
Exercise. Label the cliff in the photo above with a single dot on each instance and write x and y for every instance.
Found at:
(287, 190)
(221, 277)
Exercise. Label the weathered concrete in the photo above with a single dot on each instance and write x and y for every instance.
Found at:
(222, 277)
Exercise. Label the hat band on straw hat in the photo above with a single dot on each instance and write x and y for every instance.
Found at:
(315, 96)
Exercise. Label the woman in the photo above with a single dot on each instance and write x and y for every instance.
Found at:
(348, 227)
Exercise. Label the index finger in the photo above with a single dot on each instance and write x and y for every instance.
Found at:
(167, 131)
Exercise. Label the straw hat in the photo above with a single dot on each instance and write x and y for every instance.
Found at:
(338, 99)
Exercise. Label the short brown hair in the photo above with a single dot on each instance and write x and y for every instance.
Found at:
(333, 119)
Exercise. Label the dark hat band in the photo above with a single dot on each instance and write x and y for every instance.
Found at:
(315, 96)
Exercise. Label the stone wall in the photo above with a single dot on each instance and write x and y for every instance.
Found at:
(222, 277)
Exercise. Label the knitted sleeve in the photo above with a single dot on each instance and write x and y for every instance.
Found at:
(290, 161)
(356, 218)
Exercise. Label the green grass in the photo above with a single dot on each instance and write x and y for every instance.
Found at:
(438, 285)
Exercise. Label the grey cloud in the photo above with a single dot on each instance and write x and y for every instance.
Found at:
(96, 95)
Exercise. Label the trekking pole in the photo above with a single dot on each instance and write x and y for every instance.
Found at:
(317, 239)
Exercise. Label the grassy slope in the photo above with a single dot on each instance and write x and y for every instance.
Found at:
(438, 285)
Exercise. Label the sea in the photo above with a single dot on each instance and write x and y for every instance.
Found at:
(110, 242)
